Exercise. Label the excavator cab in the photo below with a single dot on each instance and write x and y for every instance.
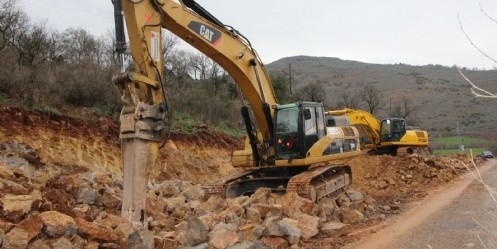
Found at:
(392, 129)
(297, 127)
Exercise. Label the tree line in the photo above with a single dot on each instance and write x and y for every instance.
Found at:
(45, 68)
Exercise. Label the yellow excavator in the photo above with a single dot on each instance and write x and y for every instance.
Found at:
(390, 135)
(287, 146)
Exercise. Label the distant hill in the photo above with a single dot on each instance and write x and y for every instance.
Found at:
(442, 97)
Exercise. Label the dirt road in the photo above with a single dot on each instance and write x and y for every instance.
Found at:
(460, 215)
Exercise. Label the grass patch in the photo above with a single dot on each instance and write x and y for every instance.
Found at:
(450, 145)
(455, 140)
(476, 151)
(188, 124)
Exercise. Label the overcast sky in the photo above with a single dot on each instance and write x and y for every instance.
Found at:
(417, 32)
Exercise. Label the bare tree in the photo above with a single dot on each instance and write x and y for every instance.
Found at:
(314, 91)
(476, 90)
(169, 44)
(33, 45)
(200, 66)
(404, 109)
(372, 97)
(347, 100)
(79, 46)
(11, 20)
(33, 48)
(178, 71)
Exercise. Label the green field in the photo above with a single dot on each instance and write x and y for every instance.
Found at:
(455, 140)
(478, 145)
(476, 151)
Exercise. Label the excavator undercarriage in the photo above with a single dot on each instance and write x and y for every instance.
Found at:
(313, 183)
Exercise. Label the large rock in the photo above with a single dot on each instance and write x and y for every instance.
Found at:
(12, 187)
(290, 227)
(57, 224)
(87, 196)
(16, 206)
(16, 203)
(16, 238)
(176, 204)
(356, 199)
(81, 210)
(215, 202)
(308, 226)
(32, 225)
(250, 232)
(271, 227)
(142, 239)
(352, 216)
(260, 196)
(193, 192)
(266, 210)
(94, 231)
(195, 232)
(294, 205)
(208, 220)
(253, 215)
(335, 229)
(40, 244)
(326, 210)
(273, 243)
(223, 235)
(232, 214)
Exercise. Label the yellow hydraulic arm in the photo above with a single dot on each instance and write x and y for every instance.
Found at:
(144, 113)
(364, 121)
(371, 127)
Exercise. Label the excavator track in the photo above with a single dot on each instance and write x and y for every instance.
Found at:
(218, 187)
(312, 183)
(321, 181)
(403, 151)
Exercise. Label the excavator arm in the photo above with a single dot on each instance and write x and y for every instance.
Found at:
(365, 122)
(288, 138)
(143, 117)
(388, 136)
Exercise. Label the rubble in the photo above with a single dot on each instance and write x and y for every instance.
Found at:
(73, 209)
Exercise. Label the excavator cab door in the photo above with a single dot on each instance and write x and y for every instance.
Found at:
(298, 127)
(392, 129)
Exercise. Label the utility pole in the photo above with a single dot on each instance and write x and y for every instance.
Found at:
(461, 146)
(390, 108)
(290, 76)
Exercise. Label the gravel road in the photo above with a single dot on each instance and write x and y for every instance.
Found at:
(461, 215)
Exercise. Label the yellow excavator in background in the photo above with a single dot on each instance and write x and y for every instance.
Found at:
(391, 135)
(288, 147)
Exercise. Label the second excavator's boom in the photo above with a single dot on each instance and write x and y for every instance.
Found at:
(366, 123)
(391, 135)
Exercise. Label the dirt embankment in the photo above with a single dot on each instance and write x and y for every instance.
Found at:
(94, 144)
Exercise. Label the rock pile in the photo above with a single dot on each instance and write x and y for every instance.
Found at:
(388, 182)
(67, 207)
